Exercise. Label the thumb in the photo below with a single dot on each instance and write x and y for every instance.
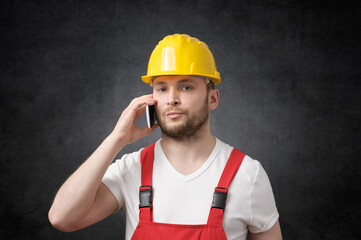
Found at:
(150, 130)
(146, 131)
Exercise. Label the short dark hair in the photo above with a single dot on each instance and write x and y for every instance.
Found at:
(209, 84)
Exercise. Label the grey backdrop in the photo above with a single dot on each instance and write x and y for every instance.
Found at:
(290, 98)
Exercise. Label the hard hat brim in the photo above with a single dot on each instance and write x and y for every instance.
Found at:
(149, 78)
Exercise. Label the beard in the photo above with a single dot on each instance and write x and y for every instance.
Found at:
(187, 129)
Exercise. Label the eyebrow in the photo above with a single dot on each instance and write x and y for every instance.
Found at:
(186, 80)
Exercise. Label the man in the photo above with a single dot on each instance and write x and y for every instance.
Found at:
(167, 188)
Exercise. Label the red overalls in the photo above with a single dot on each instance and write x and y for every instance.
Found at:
(213, 230)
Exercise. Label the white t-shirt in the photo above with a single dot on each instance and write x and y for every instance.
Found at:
(187, 199)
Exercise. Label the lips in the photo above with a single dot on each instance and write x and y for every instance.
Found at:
(174, 114)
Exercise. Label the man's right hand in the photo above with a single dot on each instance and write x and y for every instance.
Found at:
(126, 130)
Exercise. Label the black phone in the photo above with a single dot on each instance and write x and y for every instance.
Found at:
(150, 115)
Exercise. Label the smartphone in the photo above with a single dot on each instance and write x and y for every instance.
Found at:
(150, 115)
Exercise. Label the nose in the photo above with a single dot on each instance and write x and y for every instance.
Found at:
(173, 98)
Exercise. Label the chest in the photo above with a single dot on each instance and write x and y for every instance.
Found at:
(178, 200)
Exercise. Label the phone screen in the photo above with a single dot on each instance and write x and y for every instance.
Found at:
(150, 115)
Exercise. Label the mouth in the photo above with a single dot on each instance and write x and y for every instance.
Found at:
(174, 114)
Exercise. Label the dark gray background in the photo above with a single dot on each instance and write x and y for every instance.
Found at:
(290, 98)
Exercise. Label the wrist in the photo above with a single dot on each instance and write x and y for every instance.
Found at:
(118, 140)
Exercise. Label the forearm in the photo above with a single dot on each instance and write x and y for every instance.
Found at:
(76, 196)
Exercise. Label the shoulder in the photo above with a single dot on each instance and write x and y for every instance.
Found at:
(249, 167)
(223, 150)
(126, 164)
(123, 174)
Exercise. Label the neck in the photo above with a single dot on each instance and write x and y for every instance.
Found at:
(188, 154)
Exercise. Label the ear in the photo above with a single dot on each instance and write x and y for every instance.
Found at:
(213, 99)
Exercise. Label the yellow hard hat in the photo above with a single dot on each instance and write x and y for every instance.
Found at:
(181, 54)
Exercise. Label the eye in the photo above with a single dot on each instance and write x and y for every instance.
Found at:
(161, 89)
(186, 88)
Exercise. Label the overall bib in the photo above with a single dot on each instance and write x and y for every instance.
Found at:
(213, 230)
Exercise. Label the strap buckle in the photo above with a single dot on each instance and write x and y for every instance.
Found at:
(146, 196)
(219, 198)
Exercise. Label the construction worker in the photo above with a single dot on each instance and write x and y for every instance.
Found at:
(187, 185)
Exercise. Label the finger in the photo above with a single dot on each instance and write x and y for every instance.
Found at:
(140, 133)
(136, 108)
(147, 131)
(140, 112)
(140, 102)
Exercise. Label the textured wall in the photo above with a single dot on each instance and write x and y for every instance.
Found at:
(290, 98)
